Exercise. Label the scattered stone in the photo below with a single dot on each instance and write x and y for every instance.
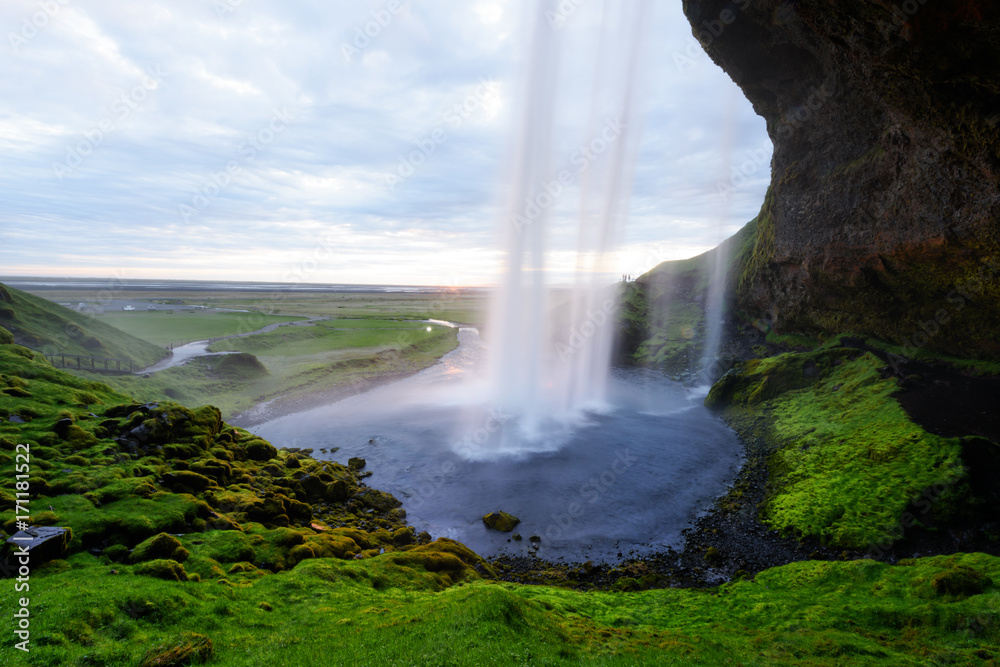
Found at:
(535, 538)
(356, 463)
(516, 537)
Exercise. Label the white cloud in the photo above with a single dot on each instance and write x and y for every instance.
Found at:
(354, 122)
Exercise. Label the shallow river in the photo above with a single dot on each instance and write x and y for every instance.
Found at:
(627, 478)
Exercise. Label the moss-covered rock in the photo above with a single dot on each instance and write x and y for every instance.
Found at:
(260, 450)
(167, 569)
(380, 501)
(162, 546)
(501, 521)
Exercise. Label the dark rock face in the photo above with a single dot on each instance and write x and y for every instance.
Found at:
(883, 215)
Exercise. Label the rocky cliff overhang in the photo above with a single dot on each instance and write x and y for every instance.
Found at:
(883, 215)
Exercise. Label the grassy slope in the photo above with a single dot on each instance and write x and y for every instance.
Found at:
(271, 590)
(663, 313)
(164, 326)
(43, 325)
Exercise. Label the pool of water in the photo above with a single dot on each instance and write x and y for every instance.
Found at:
(624, 478)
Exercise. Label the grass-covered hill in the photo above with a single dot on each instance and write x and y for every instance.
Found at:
(42, 325)
(662, 320)
(189, 541)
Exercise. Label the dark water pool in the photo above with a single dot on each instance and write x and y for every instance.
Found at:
(626, 478)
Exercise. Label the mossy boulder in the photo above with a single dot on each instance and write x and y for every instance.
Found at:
(167, 569)
(6, 337)
(238, 366)
(960, 581)
(453, 560)
(161, 546)
(380, 501)
(338, 490)
(260, 450)
(186, 481)
(501, 521)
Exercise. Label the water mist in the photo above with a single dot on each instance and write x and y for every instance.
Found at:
(550, 349)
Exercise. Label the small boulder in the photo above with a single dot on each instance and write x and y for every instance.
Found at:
(501, 521)
(356, 463)
(43, 543)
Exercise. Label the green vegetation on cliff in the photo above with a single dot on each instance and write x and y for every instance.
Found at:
(662, 319)
(42, 325)
(848, 466)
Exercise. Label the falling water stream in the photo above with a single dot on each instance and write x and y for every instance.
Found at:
(598, 463)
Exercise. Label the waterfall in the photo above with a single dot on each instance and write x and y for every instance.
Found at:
(550, 347)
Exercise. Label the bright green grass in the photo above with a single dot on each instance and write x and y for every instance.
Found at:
(848, 460)
(178, 327)
(51, 328)
(295, 341)
(379, 611)
(50, 391)
(852, 460)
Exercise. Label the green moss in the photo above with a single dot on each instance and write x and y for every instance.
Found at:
(501, 521)
(188, 649)
(960, 581)
(161, 546)
(167, 569)
(847, 461)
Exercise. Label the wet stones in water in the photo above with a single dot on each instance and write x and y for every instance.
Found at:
(501, 521)
(356, 463)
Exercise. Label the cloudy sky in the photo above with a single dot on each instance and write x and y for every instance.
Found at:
(268, 140)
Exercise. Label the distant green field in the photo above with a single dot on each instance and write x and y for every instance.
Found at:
(301, 341)
(165, 327)
(299, 361)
